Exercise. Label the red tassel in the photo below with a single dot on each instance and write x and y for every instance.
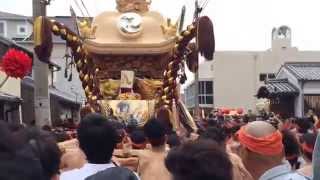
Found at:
(44, 50)
(205, 37)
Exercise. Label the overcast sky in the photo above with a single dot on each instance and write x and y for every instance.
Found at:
(239, 24)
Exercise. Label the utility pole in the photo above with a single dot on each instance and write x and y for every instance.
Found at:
(196, 92)
(40, 76)
(197, 12)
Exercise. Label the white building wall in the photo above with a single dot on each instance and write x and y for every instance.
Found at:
(311, 87)
(234, 79)
(206, 70)
(12, 86)
(236, 73)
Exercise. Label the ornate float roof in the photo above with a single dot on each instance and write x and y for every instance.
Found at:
(132, 30)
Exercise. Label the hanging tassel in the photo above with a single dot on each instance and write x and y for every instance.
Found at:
(43, 39)
(66, 72)
(70, 77)
(205, 37)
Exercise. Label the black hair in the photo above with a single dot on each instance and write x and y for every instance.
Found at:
(201, 159)
(212, 122)
(138, 137)
(44, 144)
(216, 134)
(120, 129)
(163, 115)
(310, 140)
(173, 140)
(291, 148)
(22, 164)
(17, 160)
(97, 138)
(47, 128)
(304, 125)
(155, 132)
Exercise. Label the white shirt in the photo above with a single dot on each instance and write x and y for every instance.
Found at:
(282, 172)
(84, 172)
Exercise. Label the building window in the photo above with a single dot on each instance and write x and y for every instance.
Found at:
(265, 76)
(262, 77)
(22, 30)
(206, 92)
(271, 76)
(190, 95)
(3, 28)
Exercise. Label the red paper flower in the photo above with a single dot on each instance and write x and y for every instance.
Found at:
(16, 63)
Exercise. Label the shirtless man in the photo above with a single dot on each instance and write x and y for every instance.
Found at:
(151, 161)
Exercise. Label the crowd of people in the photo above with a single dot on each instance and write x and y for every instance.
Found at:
(223, 148)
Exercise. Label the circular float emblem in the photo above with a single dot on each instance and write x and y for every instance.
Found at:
(130, 24)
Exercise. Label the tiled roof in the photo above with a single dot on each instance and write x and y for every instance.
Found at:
(276, 87)
(9, 98)
(304, 70)
(5, 44)
(5, 15)
(280, 86)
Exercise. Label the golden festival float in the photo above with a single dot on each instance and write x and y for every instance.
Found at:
(131, 61)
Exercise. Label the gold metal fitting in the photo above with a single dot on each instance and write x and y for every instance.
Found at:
(165, 73)
(81, 75)
(166, 90)
(170, 65)
(171, 80)
(86, 61)
(186, 33)
(74, 38)
(164, 98)
(55, 28)
(86, 77)
(87, 90)
(69, 37)
(79, 64)
(94, 98)
(166, 106)
(169, 73)
(63, 31)
(97, 70)
(179, 38)
(79, 49)
(190, 27)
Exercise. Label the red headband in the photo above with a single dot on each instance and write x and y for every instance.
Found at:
(269, 145)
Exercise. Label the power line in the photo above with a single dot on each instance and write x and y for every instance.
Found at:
(204, 4)
(85, 7)
(77, 4)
